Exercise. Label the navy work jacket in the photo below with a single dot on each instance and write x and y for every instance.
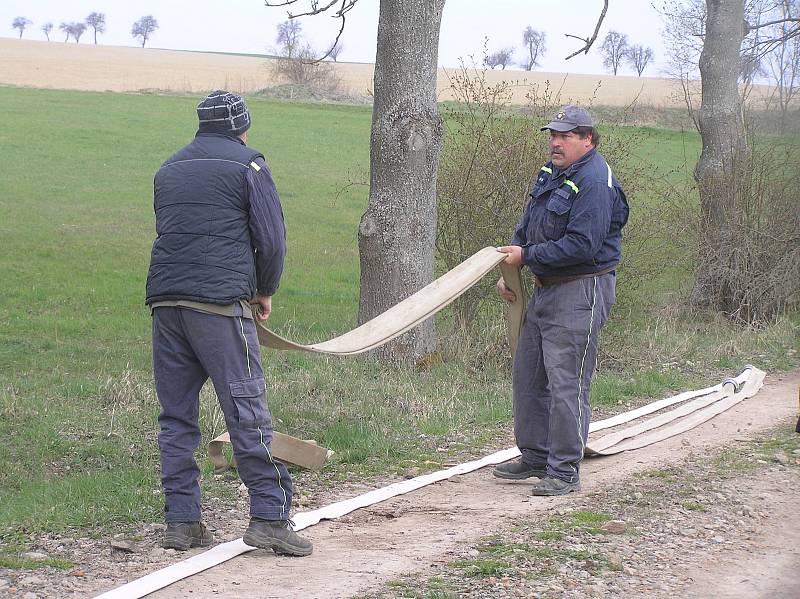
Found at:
(221, 235)
(573, 222)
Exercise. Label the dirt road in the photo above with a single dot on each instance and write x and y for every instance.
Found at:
(360, 552)
(705, 553)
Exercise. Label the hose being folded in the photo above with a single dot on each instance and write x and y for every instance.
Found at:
(417, 308)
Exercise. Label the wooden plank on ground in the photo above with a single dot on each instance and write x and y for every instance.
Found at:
(287, 449)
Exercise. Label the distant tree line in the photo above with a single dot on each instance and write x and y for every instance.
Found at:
(614, 50)
(142, 29)
(533, 45)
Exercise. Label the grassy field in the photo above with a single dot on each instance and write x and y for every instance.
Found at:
(77, 411)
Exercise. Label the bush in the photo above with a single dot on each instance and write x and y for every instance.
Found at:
(302, 70)
(490, 157)
(750, 266)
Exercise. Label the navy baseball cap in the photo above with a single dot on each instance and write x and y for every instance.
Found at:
(568, 118)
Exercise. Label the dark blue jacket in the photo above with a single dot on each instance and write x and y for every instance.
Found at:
(219, 222)
(573, 222)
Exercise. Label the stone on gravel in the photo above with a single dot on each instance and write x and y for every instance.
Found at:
(412, 472)
(614, 561)
(3, 583)
(781, 458)
(30, 595)
(122, 545)
(616, 527)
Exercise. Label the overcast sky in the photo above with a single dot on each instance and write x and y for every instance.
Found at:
(248, 26)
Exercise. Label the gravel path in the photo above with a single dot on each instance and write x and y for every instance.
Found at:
(700, 515)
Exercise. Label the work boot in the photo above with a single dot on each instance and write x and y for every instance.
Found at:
(550, 486)
(183, 535)
(278, 536)
(519, 470)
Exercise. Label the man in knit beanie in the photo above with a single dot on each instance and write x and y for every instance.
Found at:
(220, 248)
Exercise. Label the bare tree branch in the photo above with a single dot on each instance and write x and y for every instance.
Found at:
(315, 9)
(338, 36)
(589, 40)
(778, 22)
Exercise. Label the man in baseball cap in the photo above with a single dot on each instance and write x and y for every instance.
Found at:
(570, 238)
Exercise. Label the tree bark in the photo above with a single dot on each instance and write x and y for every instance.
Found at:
(397, 232)
(721, 123)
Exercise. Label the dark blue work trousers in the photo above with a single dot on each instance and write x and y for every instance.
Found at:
(190, 346)
(556, 357)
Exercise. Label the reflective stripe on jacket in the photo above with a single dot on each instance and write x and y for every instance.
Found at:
(573, 221)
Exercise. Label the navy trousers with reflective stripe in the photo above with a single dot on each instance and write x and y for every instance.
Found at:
(553, 367)
(189, 347)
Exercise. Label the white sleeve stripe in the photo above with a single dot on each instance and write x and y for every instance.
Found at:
(609, 175)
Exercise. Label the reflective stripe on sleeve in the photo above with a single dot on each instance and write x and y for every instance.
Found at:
(571, 184)
(255, 167)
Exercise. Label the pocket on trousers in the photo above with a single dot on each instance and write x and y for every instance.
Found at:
(250, 398)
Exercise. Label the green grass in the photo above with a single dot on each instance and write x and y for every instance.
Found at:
(620, 388)
(77, 410)
(76, 213)
(581, 520)
(19, 563)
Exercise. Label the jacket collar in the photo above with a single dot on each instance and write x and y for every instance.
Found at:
(221, 135)
(570, 170)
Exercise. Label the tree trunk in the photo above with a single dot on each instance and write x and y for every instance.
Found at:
(397, 232)
(722, 130)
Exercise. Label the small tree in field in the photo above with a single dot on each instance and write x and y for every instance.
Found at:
(21, 23)
(144, 28)
(335, 51)
(534, 44)
(76, 30)
(613, 50)
(501, 58)
(97, 21)
(288, 38)
(65, 27)
(47, 28)
(639, 57)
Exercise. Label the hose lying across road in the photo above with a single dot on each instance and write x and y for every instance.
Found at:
(694, 408)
